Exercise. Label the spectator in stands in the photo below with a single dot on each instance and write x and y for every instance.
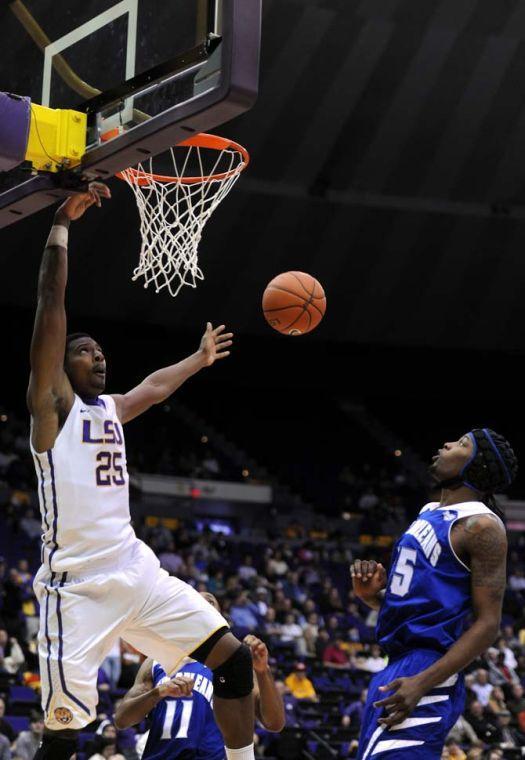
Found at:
(293, 589)
(333, 627)
(482, 687)
(28, 741)
(496, 677)
(11, 655)
(508, 674)
(243, 614)
(216, 583)
(112, 665)
(483, 726)
(170, 560)
(108, 736)
(247, 571)
(462, 732)
(261, 601)
(516, 705)
(454, 750)
(300, 686)
(292, 633)
(469, 693)
(497, 702)
(375, 661)
(6, 728)
(322, 642)
(276, 565)
(5, 748)
(108, 751)
(506, 736)
(475, 754)
(517, 580)
(334, 656)
(30, 525)
(12, 605)
(356, 709)
(311, 632)
(368, 500)
(509, 656)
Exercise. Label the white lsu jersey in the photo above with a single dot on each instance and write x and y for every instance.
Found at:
(83, 489)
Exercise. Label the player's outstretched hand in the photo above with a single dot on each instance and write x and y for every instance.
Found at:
(77, 204)
(179, 686)
(259, 652)
(368, 578)
(214, 343)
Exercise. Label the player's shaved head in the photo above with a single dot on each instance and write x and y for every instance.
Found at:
(210, 599)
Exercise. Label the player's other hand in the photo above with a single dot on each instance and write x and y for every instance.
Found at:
(179, 686)
(77, 204)
(368, 578)
(214, 344)
(259, 652)
(406, 693)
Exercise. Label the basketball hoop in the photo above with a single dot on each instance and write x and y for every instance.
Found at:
(174, 209)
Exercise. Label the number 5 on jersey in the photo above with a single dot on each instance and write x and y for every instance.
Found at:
(403, 572)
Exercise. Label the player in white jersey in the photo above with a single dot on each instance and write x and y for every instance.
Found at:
(98, 582)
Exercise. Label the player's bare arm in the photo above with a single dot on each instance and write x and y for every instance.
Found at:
(269, 708)
(481, 542)
(144, 696)
(368, 581)
(50, 395)
(158, 386)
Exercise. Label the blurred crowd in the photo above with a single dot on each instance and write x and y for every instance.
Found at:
(290, 588)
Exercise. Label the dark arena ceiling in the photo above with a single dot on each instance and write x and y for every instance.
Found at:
(387, 160)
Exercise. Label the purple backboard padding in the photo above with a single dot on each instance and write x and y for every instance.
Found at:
(15, 119)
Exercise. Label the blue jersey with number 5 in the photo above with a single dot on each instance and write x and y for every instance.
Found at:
(427, 596)
(185, 729)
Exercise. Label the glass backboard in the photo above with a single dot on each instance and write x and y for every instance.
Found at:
(158, 70)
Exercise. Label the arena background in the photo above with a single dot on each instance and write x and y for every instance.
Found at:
(387, 161)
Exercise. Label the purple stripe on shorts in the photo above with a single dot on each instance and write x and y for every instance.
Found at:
(50, 694)
(55, 506)
(44, 503)
(61, 650)
(42, 480)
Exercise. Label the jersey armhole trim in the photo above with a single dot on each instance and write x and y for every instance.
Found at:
(459, 517)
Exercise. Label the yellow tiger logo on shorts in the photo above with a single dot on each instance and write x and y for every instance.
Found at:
(63, 715)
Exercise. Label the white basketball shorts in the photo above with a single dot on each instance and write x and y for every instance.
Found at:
(82, 616)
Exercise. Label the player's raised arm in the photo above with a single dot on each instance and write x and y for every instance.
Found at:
(143, 696)
(158, 386)
(269, 708)
(50, 394)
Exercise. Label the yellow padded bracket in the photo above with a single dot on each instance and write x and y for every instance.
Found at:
(57, 138)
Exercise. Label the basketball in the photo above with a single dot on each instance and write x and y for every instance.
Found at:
(294, 303)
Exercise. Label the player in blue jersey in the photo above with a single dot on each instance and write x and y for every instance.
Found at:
(184, 728)
(451, 562)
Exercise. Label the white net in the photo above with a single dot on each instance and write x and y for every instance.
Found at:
(174, 210)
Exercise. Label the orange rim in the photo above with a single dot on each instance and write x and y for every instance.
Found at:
(202, 140)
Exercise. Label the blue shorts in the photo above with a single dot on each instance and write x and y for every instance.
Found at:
(424, 732)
